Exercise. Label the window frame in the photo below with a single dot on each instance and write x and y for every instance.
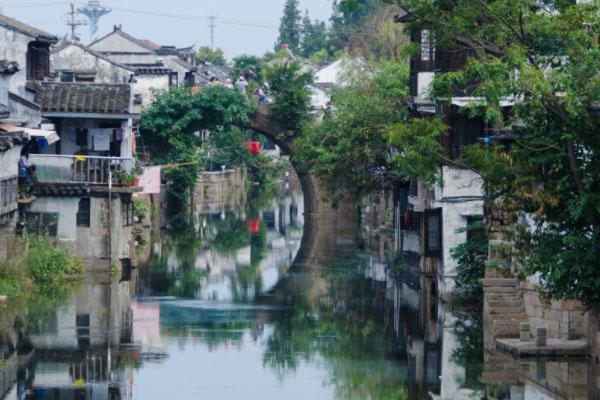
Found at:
(84, 213)
(430, 219)
(127, 213)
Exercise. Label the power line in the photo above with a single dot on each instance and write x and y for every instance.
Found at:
(165, 14)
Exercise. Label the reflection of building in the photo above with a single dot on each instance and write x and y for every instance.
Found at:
(83, 349)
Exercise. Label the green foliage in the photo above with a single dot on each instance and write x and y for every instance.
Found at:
(546, 56)
(49, 265)
(315, 37)
(289, 29)
(169, 127)
(350, 150)
(290, 91)
(38, 275)
(140, 208)
(250, 67)
(215, 57)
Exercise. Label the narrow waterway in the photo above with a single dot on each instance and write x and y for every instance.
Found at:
(221, 311)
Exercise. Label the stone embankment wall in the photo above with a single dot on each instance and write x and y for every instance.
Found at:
(565, 319)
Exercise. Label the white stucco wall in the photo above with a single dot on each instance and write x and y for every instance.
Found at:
(13, 47)
(74, 58)
(116, 42)
(460, 197)
(9, 162)
(66, 207)
(146, 85)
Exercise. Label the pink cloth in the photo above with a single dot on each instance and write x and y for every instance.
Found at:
(150, 180)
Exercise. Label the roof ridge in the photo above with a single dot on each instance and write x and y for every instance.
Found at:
(94, 53)
(26, 29)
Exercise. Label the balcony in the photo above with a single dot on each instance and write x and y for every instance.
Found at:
(86, 170)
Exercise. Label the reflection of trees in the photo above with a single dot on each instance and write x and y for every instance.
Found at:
(342, 328)
(468, 329)
(232, 235)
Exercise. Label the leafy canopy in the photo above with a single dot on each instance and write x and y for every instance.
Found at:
(350, 150)
(215, 57)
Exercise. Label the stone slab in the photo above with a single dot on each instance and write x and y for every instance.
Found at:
(554, 347)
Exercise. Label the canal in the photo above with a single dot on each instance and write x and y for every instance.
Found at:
(221, 310)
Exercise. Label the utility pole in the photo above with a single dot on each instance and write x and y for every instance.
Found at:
(212, 24)
(74, 23)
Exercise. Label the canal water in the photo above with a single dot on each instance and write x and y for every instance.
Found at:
(221, 311)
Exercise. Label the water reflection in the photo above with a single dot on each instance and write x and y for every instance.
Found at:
(222, 311)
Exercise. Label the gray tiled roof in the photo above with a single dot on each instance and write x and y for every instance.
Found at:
(28, 30)
(84, 98)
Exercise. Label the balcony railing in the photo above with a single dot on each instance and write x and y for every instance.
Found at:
(80, 169)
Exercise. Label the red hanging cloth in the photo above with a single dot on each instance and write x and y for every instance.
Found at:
(253, 147)
(254, 226)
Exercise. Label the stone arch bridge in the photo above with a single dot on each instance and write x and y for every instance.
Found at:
(327, 230)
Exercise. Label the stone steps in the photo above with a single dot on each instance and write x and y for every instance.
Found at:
(501, 289)
(505, 306)
(515, 304)
(515, 310)
(507, 318)
(498, 282)
(510, 299)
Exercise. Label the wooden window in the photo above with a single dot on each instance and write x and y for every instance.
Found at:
(82, 323)
(42, 223)
(411, 221)
(465, 131)
(83, 213)
(127, 211)
(433, 233)
(38, 60)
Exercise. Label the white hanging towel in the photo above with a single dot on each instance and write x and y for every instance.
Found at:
(101, 139)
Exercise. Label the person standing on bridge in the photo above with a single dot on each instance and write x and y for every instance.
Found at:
(241, 84)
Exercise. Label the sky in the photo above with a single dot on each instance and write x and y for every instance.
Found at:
(187, 25)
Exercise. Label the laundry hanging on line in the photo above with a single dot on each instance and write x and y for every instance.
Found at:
(101, 139)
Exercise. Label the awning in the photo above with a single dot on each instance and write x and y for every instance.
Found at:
(50, 136)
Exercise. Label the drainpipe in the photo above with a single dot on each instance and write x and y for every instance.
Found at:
(109, 291)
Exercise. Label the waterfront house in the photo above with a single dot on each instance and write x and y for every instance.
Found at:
(94, 157)
(23, 60)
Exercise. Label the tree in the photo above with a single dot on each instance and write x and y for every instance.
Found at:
(350, 149)
(314, 37)
(215, 57)
(169, 125)
(544, 58)
(290, 91)
(250, 67)
(289, 29)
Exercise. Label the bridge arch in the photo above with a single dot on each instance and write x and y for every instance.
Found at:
(325, 228)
